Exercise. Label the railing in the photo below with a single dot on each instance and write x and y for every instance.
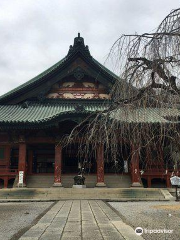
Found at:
(160, 170)
(8, 171)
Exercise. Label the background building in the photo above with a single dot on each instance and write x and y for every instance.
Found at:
(37, 114)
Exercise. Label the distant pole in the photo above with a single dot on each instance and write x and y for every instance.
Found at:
(177, 198)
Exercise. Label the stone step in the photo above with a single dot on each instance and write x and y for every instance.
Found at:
(118, 194)
(39, 181)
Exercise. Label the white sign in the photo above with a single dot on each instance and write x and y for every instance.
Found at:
(175, 181)
(21, 176)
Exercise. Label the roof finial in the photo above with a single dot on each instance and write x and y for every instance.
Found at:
(79, 45)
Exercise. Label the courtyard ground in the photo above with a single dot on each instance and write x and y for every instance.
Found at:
(66, 220)
(88, 219)
(15, 217)
(151, 215)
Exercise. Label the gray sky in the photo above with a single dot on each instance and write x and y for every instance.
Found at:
(35, 34)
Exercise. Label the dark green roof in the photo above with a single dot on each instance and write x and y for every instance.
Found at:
(146, 115)
(77, 48)
(44, 114)
(36, 114)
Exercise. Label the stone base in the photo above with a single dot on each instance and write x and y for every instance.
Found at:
(57, 185)
(136, 184)
(21, 185)
(79, 186)
(102, 184)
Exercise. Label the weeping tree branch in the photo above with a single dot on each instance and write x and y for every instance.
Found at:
(148, 88)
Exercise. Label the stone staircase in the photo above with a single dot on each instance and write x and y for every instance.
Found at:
(39, 188)
(118, 181)
(46, 181)
(108, 194)
(39, 181)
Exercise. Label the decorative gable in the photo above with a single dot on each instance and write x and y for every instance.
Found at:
(77, 76)
(78, 86)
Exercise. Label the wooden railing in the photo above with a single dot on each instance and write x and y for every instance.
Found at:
(8, 171)
(155, 171)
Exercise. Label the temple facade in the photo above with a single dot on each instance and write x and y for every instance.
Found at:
(37, 114)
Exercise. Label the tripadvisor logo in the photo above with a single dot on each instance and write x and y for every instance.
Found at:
(139, 231)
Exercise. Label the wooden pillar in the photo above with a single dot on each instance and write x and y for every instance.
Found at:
(22, 159)
(135, 174)
(149, 182)
(6, 182)
(168, 182)
(57, 166)
(100, 166)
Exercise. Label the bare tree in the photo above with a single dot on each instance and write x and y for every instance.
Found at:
(144, 104)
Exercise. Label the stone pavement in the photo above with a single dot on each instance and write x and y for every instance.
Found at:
(16, 217)
(80, 219)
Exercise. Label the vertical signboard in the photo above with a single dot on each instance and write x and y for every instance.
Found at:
(21, 176)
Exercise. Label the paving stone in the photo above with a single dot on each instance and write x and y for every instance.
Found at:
(71, 228)
(93, 238)
(112, 234)
(60, 219)
(95, 233)
(79, 219)
(72, 234)
(34, 233)
(114, 238)
(71, 238)
(40, 226)
(51, 236)
(29, 238)
(90, 228)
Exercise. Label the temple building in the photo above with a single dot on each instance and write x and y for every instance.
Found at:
(37, 114)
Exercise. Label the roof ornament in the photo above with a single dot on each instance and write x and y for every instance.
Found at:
(79, 108)
(78, 73)
(25, 104)
(79, 46)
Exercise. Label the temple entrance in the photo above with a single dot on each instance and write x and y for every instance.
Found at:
(72, 162)
(70, 159)
(43, 158)
(121, 163)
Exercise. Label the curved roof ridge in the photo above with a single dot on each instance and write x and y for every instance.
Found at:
(78, 47)
(34, 79)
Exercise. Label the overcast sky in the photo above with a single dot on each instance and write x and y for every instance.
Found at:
(35, 34)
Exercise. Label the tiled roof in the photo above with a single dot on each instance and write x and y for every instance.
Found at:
(34, 113)
(146, 115)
